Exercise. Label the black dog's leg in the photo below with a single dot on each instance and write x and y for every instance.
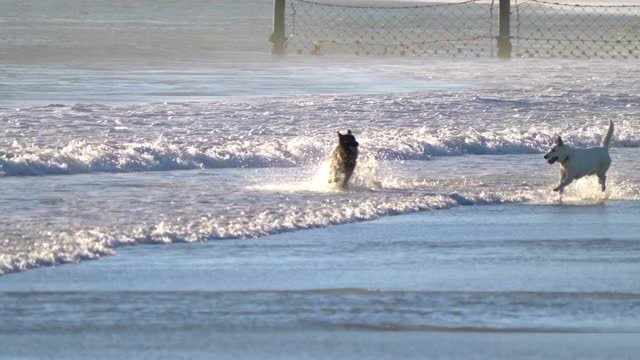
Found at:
(347, 176)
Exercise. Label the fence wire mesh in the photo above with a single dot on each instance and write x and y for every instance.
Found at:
(577, 29)
(463, 28)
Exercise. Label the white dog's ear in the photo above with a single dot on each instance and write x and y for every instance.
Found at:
(558, 140)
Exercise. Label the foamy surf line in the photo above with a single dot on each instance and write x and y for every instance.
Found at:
(298, 131)
(81, 157)
(387, 198)
(72, 247)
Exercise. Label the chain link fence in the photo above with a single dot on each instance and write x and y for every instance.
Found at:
(463, 28)
(388, 28)
(578, 29)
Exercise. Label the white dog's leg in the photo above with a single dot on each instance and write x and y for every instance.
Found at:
(560, 188)
(560, 192)
(602, 179)
(562, 175)
(564, 181)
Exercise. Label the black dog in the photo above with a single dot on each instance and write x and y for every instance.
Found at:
(343, 159)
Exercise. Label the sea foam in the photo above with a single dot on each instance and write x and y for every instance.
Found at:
(74, 246)
(368, 198)
(79, 156)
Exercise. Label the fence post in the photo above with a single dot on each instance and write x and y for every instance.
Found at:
(504, 39)
(278, 38)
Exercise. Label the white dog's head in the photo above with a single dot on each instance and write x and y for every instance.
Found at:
(559, 152)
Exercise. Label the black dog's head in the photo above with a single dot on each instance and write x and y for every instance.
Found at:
(347, 140)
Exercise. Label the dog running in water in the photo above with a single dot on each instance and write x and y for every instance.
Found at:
(576, 163)
(343, 159)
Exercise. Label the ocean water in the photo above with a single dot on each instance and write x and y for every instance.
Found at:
(82, 178)
(129, 126)
(493, 281)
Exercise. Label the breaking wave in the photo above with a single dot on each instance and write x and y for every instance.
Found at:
(299, 131)
(78, 157)
(74, 246)
(389, 197)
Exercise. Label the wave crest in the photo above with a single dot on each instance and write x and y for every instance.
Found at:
(269, 151)
(75, 246)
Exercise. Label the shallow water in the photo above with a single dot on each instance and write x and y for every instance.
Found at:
(57, 219)
(182, 135)
(498, 270)
(255, 133)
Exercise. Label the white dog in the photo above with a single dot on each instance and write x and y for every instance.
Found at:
(576, 163)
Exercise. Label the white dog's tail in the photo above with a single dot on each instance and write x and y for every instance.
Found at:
(607, 138)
